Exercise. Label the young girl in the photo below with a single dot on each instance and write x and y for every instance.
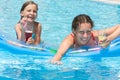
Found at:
(28, 14)
(83, 35)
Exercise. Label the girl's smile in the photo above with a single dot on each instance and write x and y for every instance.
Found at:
(83, 33)
(30, 12)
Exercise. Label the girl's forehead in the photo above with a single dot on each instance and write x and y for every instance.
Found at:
(31, 6)
(84, 26)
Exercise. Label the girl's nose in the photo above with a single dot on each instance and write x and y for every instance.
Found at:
(31, 12)
(85, 35)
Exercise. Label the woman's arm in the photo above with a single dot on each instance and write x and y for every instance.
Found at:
(65, 45)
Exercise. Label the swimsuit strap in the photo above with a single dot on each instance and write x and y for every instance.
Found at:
(93, 38)
(72, 35)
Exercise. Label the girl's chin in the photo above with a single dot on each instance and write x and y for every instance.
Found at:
(30, 20)
(83, 43)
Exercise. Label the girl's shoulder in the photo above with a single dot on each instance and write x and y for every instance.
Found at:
(95, 33)
(37, 27)
(37, 24)
(71, 35)
(18, 25)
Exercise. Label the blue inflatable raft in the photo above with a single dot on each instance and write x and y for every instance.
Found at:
(16, 48)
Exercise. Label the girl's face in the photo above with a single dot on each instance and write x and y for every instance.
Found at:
(83, 33)
(30, 12)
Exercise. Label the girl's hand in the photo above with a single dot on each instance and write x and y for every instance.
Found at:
(56, 62)
(24, 21)
(30, 41)
(104, 42)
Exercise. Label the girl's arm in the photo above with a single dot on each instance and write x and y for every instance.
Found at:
(18, 31)
(65, 45)
(113, 32)
(37, 35)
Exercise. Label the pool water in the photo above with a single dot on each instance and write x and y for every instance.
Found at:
(56, 17)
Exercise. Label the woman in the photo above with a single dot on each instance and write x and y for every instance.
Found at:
(83, 35)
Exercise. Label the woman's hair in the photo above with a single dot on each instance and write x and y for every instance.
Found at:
(26, 4)
(82, 18)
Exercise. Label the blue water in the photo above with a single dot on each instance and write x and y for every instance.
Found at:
(56, 17)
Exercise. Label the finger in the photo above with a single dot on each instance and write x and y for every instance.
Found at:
(108, 40)
(30, 39)
(105, 44)
(56, 62)
(105, 39)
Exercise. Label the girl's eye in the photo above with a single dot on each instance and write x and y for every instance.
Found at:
(32, 11)
(83, 32)
(35, 11)
(28, 10)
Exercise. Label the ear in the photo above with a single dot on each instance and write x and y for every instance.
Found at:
(21, 13)
(74, 32)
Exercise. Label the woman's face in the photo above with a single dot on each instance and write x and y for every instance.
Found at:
(30, 12)
(83, 33)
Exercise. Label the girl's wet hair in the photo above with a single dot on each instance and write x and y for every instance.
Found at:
(82, 18)
(26, 4)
